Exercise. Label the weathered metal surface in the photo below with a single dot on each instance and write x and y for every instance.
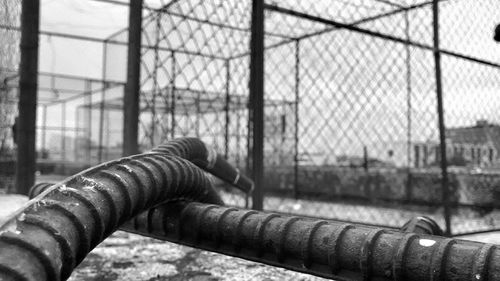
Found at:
(56, 230)
(323, 248)
(207, 158)
(422, 225)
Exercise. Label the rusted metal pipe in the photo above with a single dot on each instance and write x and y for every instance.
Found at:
(324, 248)
(235, 232)
(54, 232)
(200, 154)
(422, 225)
(207, 158)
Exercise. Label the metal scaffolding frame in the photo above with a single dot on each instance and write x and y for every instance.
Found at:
(244, 82)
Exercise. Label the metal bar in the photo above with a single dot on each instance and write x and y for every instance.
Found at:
(168, 5)
(226, 109)
(44, 130)
(156, 89)
(409, 106)
(489, 230)
(172, 105)
(89, 121)
(75, 97)
(101, 105)
(165, 10)
(76, 133)
(374, 18)
(108, 132)
(112, 41)
(440, 112)
(376, 34)
(296, 135)
(325, 248)
(256, 112)
(59, 128)
(133, 86)
(198, 114)
(27, 105)
(329, 29)
(390, 3)
(63, 131)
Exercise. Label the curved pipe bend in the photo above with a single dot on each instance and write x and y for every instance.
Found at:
(205, 157)
(53, 233)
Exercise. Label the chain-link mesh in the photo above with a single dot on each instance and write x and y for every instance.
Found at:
(470, 96)
(368, 140)
(351, 119)
(350, 98)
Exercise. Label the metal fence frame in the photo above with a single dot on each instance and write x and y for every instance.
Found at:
(257, 83)
(254, 101)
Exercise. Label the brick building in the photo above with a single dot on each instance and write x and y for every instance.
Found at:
(477, 145)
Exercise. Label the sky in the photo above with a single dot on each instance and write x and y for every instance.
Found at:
(86, 18)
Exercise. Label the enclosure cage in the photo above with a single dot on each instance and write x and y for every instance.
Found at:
(352, 112)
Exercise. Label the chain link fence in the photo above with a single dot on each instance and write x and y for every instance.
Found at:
(368, 147)
(351, 105)
(351, 109)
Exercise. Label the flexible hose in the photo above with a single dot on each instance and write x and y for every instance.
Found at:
(324, 248)
(52, 233)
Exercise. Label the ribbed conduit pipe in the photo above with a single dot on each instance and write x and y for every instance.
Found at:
(323, 248)
(54, 232)
(205, 157)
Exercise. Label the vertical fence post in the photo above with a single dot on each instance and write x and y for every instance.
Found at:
(172, 86)
(296, 140)
(44, 128)
(101, 127)
(101, 105)
(132, 87)
(156, 89)
(409, 107)
(63, 133)
(227, 108)
(28, 86)
(88, 116)
(256, 112)
(442, 137)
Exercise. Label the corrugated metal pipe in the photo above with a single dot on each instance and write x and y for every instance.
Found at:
(207, 158)
(328, 249)
(54, 232)
(323, 248)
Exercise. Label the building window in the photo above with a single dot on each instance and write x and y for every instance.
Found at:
(472, 153)
(491, 155)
